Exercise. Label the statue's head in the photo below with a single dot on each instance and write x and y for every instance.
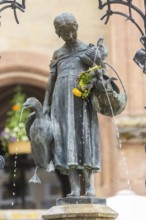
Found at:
(66, 26)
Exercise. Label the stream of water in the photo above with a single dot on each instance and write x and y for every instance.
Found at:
(15, 160)
(114, 121)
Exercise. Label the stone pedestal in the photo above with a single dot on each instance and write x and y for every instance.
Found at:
(80, 200)
(80, 212)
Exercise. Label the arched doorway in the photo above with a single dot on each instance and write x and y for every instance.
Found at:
(30, 72)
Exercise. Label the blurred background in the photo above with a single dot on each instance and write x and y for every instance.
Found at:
(26, 50)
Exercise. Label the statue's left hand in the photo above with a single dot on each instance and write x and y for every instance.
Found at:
(92, 52)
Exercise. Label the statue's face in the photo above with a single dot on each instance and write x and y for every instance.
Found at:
(68, 33)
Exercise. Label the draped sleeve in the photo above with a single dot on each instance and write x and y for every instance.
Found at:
(53, 64)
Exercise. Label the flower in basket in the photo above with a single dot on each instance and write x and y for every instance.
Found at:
(14, 129)
(85, 82)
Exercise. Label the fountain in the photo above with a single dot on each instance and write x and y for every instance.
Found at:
(77, 89)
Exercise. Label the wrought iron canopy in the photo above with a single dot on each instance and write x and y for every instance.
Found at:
(140, 56)
(14, 5)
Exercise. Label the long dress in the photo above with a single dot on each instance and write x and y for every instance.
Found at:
(74, 121)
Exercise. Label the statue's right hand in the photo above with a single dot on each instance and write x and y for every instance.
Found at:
(46, 110)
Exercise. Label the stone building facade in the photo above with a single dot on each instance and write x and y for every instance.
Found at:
(26, 50)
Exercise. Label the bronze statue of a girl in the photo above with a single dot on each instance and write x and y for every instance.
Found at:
(75, 124)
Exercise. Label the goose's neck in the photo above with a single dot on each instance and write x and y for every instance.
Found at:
(39, 112)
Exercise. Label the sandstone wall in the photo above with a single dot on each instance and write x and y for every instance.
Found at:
(28, 48)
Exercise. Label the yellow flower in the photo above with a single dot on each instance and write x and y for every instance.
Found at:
(16, 107)
(94, 68)
(81, 84)
(77, 92)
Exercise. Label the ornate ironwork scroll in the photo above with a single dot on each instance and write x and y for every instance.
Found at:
(14, 5)
(140, 56)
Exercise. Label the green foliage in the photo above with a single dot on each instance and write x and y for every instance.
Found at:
(14, 129)
(86, 80)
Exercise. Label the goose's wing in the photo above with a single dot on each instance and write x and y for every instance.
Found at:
(29, 122)
(39, 152)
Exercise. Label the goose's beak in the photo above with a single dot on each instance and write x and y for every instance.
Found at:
(25, 105)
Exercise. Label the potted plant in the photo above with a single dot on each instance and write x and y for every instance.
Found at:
(13, 137)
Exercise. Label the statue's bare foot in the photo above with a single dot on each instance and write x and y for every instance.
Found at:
(90, 193)
(73, 194)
